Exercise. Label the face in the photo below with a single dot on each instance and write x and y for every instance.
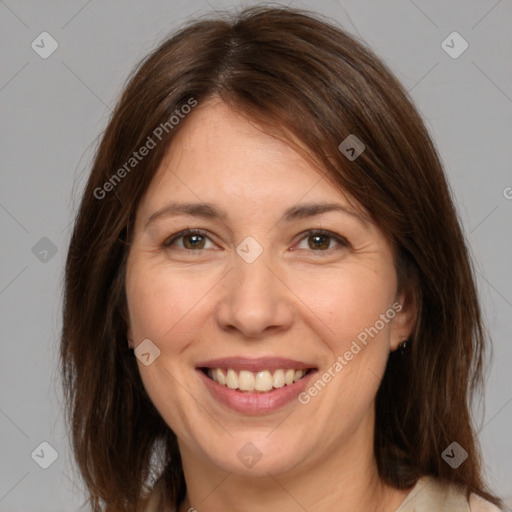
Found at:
(269, 326)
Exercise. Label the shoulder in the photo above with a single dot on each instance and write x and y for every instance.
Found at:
(429, 494)
(478, 504)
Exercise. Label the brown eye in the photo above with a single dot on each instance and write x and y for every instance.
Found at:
(319, 241)
(191, 240)
(194, 241)
(322, 241)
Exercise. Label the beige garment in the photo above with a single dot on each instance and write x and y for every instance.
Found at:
(428, 495)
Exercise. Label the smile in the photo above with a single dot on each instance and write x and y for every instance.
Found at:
(260, 382)
(255, 386)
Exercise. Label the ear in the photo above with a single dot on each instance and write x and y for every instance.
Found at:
(403, 323)
(129, 337)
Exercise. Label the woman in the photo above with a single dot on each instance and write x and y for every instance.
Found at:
(267, 226)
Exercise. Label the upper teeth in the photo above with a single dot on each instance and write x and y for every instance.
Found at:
(255, 381)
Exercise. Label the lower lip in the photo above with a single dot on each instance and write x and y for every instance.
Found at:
(255, 403)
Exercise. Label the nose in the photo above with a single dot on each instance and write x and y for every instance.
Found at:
(255, 300)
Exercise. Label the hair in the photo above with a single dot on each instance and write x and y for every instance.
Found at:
(311, 83)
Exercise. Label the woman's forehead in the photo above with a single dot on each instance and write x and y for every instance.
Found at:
(221, 153)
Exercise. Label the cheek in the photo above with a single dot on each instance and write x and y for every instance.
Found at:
(162, 304)
(346, 302)
(347, 318)
(164, 308)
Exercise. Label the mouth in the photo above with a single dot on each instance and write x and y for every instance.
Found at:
(255, 386)
(263, 381)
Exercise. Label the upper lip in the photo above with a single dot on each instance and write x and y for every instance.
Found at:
(255, 364)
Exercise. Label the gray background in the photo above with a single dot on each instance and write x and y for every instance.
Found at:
(54, 109)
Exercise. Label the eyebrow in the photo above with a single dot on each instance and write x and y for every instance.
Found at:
(210, 211)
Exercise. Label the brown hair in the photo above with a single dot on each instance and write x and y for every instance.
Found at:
(307, 79)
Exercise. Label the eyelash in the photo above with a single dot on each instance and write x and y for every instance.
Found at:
(313, 232)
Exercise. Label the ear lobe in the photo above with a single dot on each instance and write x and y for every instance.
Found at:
(129, 337)
(403, 324)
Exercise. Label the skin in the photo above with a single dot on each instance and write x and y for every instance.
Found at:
(295, 300)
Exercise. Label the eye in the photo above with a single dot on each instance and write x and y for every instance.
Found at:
(320, 240)
(192, 239)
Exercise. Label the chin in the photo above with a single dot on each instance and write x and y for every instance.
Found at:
(257, 454)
